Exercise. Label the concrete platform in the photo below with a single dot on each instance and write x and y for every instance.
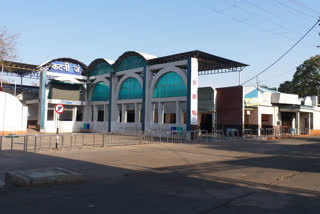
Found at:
(34, 177)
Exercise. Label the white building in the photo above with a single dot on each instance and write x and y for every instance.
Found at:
(266, 108)
(13, 115)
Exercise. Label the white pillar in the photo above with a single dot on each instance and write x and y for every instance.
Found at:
(136, 113)
(298, 123)
(95, 113)
(178, 113)
(160, 113)
(123, 113)
(259, 121)
(309, 121)
(105, 117)
(74, 114)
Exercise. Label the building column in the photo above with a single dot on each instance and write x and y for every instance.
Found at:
(146, 106)
(110, 103)
(259, 121)
(43, 101)
(123, 113)
(105, 115)
(136, 113)
(160, 113)
(95, 113)
(192, 94)
(74, 113)
(178, 113)
(113, 111)
(298, 123)
(309, 121)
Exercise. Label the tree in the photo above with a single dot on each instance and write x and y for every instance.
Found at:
(7, 44)
(7, 47)
(305, 80)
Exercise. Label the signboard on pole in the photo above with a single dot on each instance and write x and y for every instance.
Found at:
(59, 108)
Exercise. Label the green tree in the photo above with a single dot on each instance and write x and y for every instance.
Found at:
(305, 80)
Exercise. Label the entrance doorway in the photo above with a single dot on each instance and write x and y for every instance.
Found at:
(206, 122)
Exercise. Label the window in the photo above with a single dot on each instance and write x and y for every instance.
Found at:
(79, 114)
(130, 109)
(101, 92)
(130, 89)
(169, 112)
(170, 85)
(66, 115)
(50, 114)
(100, 110)
(130, 116)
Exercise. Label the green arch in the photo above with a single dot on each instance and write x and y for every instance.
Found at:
(170, 85)
(101, 68)
(130, 89)
(101, 92)
(131, 62)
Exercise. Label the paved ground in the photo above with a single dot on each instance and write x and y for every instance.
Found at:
(277, 177)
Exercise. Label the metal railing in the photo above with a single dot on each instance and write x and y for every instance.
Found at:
(36, 143)
(71, 141)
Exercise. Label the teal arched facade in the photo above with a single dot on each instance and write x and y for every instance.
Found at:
(130, 89)
(100, 92)
(170, 85)
(101, 68)
(131, 62)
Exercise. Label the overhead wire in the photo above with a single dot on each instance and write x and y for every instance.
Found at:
(283, 55)
(305, 6)
(245, 21)
(297, 11)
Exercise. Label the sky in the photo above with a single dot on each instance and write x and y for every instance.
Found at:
(254, 32)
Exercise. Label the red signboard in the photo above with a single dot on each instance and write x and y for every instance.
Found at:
(59, 108)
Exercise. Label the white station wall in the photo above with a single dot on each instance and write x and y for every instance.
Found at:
(13, 115)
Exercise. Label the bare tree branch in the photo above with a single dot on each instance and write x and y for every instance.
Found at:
(7, 44)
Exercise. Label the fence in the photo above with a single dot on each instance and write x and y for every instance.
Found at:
(273, 132)
(36, 143)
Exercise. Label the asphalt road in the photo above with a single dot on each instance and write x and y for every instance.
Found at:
(273, 177)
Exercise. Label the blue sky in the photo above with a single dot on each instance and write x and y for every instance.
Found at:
(255, 32)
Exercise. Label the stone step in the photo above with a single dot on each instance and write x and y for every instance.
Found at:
(35, 177)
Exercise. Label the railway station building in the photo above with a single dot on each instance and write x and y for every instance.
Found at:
(137, 92)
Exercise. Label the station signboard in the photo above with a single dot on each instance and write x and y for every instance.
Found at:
(65, 68)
